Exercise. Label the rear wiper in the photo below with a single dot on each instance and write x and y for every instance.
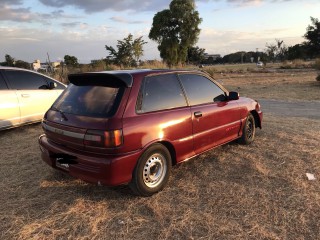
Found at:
(62, 113)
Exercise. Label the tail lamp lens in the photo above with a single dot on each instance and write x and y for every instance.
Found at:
(107, 139)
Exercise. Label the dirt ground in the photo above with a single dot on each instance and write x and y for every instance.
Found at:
(306, 109)
(258, 191)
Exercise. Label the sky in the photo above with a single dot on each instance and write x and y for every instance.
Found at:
(29, 29)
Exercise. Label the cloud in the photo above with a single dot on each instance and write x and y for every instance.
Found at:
(244, 3)
(11, 2)
(33, 43)
(102, 5)
(124, 20)
(15, 14)
(8, 13)
(74, 24)
(225, 42)
(120, 5)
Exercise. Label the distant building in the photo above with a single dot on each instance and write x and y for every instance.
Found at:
(37, 65)
(212, 57)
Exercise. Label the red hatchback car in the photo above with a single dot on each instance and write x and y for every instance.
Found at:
(119, 127)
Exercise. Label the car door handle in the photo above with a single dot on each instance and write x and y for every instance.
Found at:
(198, 114)
(25, 95)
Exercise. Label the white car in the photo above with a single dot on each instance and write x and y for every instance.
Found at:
(25, 96)
(259, 64)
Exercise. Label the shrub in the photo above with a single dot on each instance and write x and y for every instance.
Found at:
(211, 71)
(317, 64)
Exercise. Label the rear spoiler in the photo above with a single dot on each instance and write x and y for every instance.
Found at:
(110, 79)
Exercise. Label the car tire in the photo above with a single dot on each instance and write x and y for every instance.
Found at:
(248, 131)
(152, 171)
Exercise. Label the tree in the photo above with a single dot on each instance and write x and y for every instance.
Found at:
(313, 37)
(9, 61)
(71, 61)
(277, 50)
(195, 55)
(137, 48)
(22, 64)
(129, 51)
(176, 30)
(298, 51)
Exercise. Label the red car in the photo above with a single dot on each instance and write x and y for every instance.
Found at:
(118, 127)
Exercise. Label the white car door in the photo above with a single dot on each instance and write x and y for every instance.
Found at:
(9, 106)
(33, 94)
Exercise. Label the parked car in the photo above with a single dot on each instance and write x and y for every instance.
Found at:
(120, 127)
(25, 96)
(260, 64)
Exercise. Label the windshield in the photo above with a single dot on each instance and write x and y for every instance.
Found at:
(95, 101)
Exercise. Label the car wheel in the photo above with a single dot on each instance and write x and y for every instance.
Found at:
(152, 171)
(248, 131)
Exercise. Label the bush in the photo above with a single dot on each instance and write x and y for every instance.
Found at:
(295, 64)
(317, 64)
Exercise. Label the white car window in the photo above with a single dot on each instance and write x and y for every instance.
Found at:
(25, 80)
(3, 85)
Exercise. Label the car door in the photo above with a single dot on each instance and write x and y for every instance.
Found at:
(33, 94)
(9, 106)
(215, 120)
(161, 114)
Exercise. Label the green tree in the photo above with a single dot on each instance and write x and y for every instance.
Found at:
(313, 37)
(22, 64)
(137, 48)
(176, 30)
(9, 61)
(129, 51)
(71, 61)
(298, 51)
(277, 50)
(195, 55)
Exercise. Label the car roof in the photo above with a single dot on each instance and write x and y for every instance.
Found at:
(125, 76)
(13, 68)
(27, 70)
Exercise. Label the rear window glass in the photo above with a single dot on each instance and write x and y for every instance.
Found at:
(95, 101)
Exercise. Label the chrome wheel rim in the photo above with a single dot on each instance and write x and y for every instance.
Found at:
(154, 170)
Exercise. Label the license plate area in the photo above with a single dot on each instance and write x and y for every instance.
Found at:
(64, 161)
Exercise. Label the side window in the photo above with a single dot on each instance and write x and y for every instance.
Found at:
(200, 89)
(160, 92)
(3, 85)
(25, 80)
(59, 85)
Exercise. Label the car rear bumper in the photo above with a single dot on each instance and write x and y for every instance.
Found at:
(110, 170)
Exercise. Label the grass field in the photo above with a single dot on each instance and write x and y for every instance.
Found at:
(258, 191)
(277, 85)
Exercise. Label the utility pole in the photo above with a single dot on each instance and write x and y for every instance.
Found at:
(49, 63)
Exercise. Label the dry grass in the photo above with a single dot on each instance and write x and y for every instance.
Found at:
(232, 192)
(287, 85)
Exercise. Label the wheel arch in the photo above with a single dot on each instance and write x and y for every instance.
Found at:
(256, 117)
(172, 151)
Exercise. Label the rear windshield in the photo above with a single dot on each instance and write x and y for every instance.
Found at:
(93, 101)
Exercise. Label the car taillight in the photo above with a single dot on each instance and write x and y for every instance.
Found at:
(106, 139)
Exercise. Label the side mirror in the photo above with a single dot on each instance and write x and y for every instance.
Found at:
(52, 85)
(233, 96)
